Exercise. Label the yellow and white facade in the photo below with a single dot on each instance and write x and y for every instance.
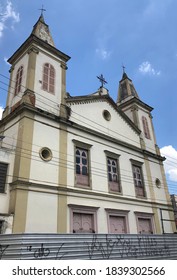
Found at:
(76, 164)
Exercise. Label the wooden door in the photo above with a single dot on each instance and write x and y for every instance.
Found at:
(145, 226)
(117, 224)
(83, 223)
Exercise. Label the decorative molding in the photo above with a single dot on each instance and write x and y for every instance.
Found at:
(33, 49)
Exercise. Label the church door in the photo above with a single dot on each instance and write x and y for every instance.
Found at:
(144, 226)
(117, 224)
(83, 223)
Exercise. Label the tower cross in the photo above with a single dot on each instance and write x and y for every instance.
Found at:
(123, 67)
(102, 80)
(42, 10)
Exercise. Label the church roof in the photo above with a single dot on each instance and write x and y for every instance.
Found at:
(41, 30)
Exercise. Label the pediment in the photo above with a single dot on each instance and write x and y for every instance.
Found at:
(101, 113)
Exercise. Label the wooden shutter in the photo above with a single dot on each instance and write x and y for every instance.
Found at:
(48, 82)
(3, 174)
(18, 82)
(146, 128)
(51, 79)
(45, 77)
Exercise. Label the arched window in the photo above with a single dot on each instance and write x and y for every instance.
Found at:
(113, 175)
(18, 81)
(48, 81)
(146, 128)
(82, 171)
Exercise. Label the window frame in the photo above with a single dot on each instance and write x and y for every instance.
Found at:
(113, 156)
(84, 147)
(18, 80)
(47, 73)
(3, 188)
(139, 165)
(118, 213)
(83, 210)
(147, 216)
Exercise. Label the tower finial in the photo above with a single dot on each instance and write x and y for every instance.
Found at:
(42, 10)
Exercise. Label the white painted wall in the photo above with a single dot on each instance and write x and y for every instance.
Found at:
(45, 172)
(41, 212)
(91, 116)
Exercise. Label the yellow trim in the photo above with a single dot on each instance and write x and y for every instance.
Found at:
(21, 201)
(22, 163)
(32, 52)
(171, 214)
(62, 181)
(152, 196)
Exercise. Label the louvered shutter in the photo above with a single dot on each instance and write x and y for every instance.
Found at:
(3, 174)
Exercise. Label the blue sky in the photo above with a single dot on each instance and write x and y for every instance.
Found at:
(100, 36)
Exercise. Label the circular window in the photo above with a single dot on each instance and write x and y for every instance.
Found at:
(157, 182)
(45, 154)
(106, 115)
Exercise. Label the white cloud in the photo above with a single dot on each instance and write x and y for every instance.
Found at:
(1, 111)
(103, 53)
(152, 8)
(170, 163)
(5, 60)
(8, 13)
(146, 68)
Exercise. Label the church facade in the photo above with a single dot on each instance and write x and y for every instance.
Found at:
(76, 164)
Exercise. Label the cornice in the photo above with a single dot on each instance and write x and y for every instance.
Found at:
(136, 101)
(32, 39)
(28, 108)
(64, 190)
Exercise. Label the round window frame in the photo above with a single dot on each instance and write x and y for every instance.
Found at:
(158, 183)
(48, 157)
(106, 115)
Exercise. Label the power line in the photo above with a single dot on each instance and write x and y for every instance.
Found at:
(70, 165)
(44, 97)
(73, 112)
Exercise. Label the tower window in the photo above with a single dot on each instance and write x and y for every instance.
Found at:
(48, 81)
(18, 81)
(146, 128)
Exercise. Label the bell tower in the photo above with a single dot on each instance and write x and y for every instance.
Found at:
(139, 112)
(38, 73)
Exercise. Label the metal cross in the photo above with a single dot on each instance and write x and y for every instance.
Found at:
(102, 80)
(123, 67)
(42, 10)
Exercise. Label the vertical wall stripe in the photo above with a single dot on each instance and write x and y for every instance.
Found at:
(22, 163)
(62, 182)
(152, 195)
(171, 214)
(32, 52)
